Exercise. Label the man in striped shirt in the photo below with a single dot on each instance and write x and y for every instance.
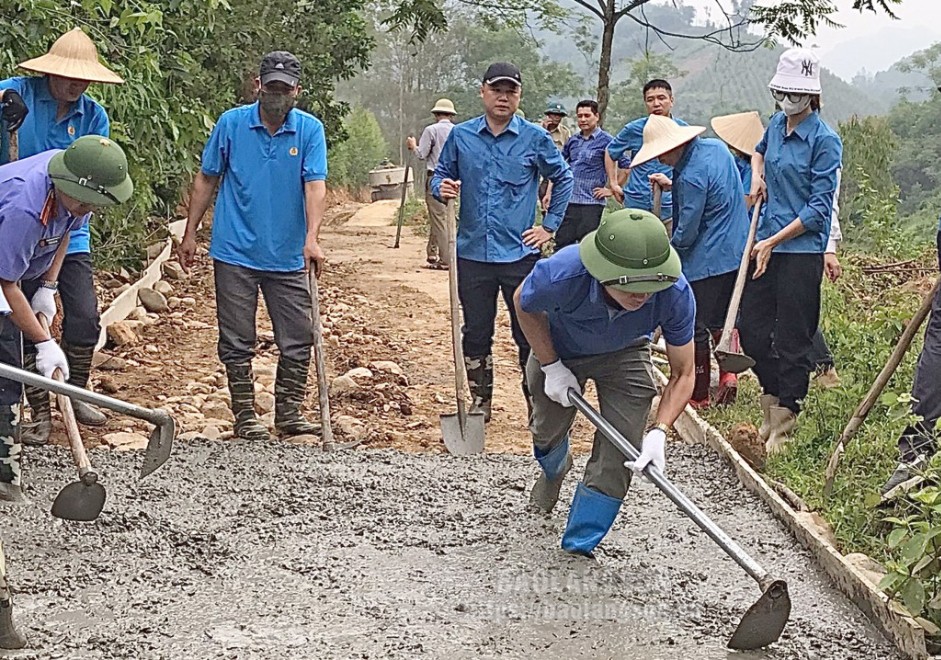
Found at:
(584, 152)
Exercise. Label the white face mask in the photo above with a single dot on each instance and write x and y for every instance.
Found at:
(791, 108)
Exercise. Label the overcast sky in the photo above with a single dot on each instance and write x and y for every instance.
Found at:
(869, 41)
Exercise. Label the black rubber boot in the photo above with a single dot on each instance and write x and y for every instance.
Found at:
(10, 455)
(10, 638)
(290, 388)
(480, 379)
(35, 432)
(80, 358)
(242, 396)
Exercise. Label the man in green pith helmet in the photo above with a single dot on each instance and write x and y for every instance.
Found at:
(42, 199)
(588, 312)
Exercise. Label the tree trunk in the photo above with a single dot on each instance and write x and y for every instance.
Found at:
(604, 64)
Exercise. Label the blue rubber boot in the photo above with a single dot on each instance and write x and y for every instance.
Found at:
(590, 518)
(555, 465)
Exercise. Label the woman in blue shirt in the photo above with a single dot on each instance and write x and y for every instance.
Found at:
(795, 168)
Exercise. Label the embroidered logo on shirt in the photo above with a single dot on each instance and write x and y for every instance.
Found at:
(71, 130)
(293, 151)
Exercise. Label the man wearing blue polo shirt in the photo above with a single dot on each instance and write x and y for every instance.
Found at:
(658, 98)
(59, 113)
(493, 163)
(264, 236)
(588, 312)
(584, 152)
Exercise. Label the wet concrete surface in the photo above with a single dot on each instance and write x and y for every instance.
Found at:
(240, 550)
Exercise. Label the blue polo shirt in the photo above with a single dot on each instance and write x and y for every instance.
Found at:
(585, 155)
(43, 130)
(711, 225)
(499, 177)
(801, 174)
(583, 322)
(259, 219)
(32, 223)
(638, 194)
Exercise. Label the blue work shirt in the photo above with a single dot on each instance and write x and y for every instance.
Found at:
(583, 321)
(801, 174)
(32, 222)
(585, 155)
(42, 130)
(639, 194)
(499, 177)
(711, 225)
(259, 221)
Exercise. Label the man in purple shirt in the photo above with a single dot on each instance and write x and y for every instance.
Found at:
(42, 199)
(584, 152)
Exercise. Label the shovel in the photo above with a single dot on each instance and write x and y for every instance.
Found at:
(84, 499)
(730, 361)
(463, 432)
(764, 621)
(161, 438)
(323, 387)
(398, 227)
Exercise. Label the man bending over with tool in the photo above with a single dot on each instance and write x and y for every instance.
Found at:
(588, 312)
(42, 199)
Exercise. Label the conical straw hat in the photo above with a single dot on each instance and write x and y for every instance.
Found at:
(662, 134)
(742, 131)
(73, 55)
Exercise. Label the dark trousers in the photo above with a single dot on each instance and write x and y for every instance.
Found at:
(926, 389)
(783, 304)
(478, 284)
(713, 295)
(579, 220)
(80, 320)
(820, 353)
(287, 298)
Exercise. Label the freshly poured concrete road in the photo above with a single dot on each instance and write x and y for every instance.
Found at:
(238, 550)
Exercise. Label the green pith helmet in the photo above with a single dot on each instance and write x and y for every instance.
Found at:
(631, 251)
(92, 170)
(555, 108)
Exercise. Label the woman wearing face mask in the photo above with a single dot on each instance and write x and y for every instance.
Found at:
(795, 170)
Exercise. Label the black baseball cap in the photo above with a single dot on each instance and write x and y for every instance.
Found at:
(280, 66)
(503, 71)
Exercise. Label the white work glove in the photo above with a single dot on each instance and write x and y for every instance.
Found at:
(50, 357)
(44, 302)
(651, 452)
(558, 381)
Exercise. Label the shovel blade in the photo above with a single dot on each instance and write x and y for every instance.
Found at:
(466, 439)
(158, 447)
(734, 363)
(764, 621)
(79, 501)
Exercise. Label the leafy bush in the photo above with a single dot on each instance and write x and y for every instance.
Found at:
(185, 62)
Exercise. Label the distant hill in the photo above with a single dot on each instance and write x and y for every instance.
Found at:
(718, 82)
(895, 84)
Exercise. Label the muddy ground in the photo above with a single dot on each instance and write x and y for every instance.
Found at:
(270, 550)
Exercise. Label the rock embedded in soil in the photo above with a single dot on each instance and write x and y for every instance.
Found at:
(217, 409)
(264, 403)
(359, 373)
(153, 301)
(164, 287)
(123, 333)
(172, 270)
(343, 385)
(125, 441)
(387, 366)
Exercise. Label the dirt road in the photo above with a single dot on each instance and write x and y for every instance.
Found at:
(268, 550)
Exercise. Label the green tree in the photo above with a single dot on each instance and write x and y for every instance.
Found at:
(868, 148)
(350, 160)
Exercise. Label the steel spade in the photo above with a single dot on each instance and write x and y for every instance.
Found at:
(730, 361)
(84, 499)
(764, 621)
(463, 432)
